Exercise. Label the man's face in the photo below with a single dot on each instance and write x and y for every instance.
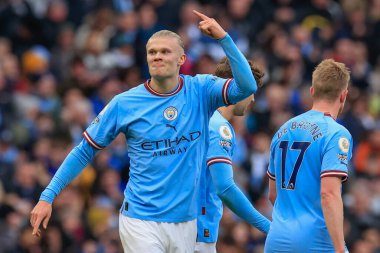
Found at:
(164, 56)
(241, 107)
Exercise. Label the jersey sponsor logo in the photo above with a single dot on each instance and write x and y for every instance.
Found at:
(225, 132)
(170, 113)
(165, 147)
(344, 144)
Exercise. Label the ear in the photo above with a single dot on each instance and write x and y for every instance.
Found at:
(312, 91)
(181, 60)
(343, 96)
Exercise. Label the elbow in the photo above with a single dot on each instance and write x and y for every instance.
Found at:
(328, 197)
(272, 198)
(220, 192)
(252, 87)
(222, 189)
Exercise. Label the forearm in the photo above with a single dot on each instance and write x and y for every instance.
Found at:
(235, 200)
(71, 167)
(233, 197)
(332, 207)
(244, 79)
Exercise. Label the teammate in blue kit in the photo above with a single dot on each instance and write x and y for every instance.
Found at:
(308, 163)
(165, 122)
(217, 182)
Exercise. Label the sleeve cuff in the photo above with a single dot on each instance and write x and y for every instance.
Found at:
(218, 160)
(335, 173)
(271, 176)
(48, 195)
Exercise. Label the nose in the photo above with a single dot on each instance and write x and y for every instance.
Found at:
(157, 56)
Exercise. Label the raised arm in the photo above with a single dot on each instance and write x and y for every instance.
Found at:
(244, 83)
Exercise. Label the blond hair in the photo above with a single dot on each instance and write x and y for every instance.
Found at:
(330, 78)
(167, 33)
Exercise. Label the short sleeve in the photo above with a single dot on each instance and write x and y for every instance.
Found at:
(217, 90)
(337, 153)
(104, 128)
(221, 146)
(271, 172)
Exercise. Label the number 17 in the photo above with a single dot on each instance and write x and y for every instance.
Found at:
(297, 145)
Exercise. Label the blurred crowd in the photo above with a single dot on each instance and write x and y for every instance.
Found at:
(61, 61)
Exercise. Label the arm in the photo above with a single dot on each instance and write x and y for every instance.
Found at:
(244, 79)
(271, 174)
(244, 83)
(71, 167)
(272, 191)
(231, 195)
(337, 152)
(332, 207)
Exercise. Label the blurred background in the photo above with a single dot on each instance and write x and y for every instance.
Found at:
(61, 61)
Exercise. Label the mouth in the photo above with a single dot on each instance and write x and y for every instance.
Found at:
(158, 65)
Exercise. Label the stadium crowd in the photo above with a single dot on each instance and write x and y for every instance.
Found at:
(61, 61)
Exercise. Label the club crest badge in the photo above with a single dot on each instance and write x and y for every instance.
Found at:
(225, 132)
(344, 144)
(170, 113)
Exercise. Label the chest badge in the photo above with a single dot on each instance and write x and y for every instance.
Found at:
(170, 113)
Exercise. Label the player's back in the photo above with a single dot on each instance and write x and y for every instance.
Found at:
(298, 159)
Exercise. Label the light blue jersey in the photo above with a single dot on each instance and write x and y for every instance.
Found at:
(166, 135)
(305, 149)
(222, 142)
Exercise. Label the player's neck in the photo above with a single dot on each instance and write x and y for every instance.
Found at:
(227, 112)
(164, 85)
(325, 107)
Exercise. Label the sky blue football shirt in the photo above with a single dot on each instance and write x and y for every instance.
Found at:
(306, 148)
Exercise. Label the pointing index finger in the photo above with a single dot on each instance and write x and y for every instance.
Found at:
(201, 15)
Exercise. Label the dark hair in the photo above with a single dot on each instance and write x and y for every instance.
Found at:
(223, 69)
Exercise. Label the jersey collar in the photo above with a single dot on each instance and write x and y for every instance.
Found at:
(171, 93)
(328, 115)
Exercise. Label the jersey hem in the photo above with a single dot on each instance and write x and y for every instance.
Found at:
(148, 218)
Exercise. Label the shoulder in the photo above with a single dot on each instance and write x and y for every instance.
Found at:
(339, 136)
(133, 92)
(335, 128)
(220, 128)
(199, 78)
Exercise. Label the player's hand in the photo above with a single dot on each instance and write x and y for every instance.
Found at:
(209, 26)
(41, 213)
